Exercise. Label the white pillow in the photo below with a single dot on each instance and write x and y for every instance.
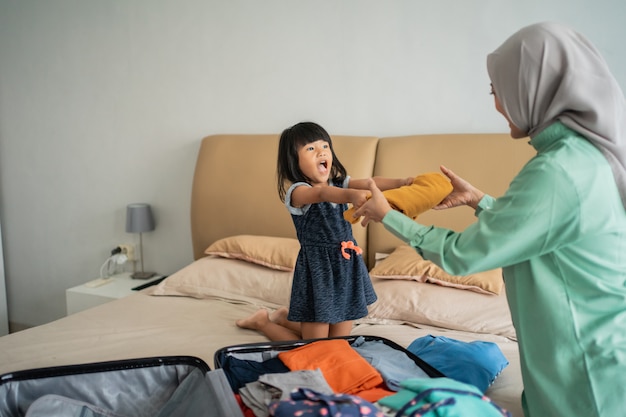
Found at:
(449, 308)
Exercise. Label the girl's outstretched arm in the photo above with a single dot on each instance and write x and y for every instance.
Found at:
(304, 195)
(383, 183)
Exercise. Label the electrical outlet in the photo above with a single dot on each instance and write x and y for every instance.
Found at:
(129, 251)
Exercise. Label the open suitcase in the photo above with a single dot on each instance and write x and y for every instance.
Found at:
(408, 385)
(253, 371)
(160, 386)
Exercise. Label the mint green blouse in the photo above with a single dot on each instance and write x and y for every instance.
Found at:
(559, 233)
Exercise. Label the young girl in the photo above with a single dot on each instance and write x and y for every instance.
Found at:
(331, 285)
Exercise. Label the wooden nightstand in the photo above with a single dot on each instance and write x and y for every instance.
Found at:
(87, 295)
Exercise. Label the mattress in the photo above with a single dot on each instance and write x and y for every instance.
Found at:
(200, 320)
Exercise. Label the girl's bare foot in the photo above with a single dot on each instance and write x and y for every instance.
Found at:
(279, 316)
(256, 321)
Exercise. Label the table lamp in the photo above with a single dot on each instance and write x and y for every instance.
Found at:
(139, 219)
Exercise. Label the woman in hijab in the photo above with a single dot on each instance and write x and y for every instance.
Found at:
(559, 231)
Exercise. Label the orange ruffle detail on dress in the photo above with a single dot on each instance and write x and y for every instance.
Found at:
(349, 245)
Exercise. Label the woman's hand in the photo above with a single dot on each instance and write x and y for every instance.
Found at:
(375, 208)
(359, 197)
(463, 193)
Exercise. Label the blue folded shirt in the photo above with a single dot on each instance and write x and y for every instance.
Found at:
(477, 363)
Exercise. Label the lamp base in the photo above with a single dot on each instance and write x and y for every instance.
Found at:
(142, 275)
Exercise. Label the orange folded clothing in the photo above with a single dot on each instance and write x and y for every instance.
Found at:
(426, 192)
(374, 394)
(344, 369)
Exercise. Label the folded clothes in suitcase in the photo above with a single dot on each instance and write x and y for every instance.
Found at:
(369, 367)
(160, 386)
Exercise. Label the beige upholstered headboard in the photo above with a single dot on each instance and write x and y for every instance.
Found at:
(234, 187)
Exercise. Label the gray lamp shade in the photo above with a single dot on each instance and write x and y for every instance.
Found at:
(139, 218)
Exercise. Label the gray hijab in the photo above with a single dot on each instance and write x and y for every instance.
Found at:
(547, 72)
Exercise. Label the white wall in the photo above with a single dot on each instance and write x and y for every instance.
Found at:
(104, 103)
(4, 313)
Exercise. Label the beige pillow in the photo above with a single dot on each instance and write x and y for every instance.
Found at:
(405, 263)
(233, 280)
(273, 252)
(419, 303)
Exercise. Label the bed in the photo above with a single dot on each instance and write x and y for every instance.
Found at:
(244, 248)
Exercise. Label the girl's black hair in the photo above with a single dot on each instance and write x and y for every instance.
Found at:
(288, 167)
